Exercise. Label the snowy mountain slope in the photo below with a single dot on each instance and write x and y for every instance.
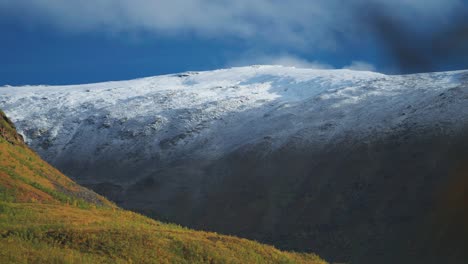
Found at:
(283, 155)
(211, 113)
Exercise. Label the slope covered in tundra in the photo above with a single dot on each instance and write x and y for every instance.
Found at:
(359, 166)
(47, 218)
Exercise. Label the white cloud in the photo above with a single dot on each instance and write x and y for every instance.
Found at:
(360, 66)
(301, 24)
(299, 63)
(284, 60)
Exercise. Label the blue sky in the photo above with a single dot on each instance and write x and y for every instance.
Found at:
(68, 42)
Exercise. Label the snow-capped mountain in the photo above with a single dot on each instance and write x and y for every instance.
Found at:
(279, 154)
(208, 114)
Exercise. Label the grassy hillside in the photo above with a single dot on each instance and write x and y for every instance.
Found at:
(47, 218)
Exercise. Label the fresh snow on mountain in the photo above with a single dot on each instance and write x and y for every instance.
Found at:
(211, 113)
(153, 123)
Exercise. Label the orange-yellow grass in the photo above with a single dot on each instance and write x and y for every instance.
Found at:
(113, 235)
(47, 218)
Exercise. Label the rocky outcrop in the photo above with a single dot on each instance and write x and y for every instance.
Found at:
(8, 130)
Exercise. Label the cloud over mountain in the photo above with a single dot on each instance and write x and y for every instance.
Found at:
(301, 24)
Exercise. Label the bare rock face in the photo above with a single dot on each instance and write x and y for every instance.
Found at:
(8, 130)
(360, 167)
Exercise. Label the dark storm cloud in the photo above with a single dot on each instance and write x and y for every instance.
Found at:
(403, 27)
(298, 22)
